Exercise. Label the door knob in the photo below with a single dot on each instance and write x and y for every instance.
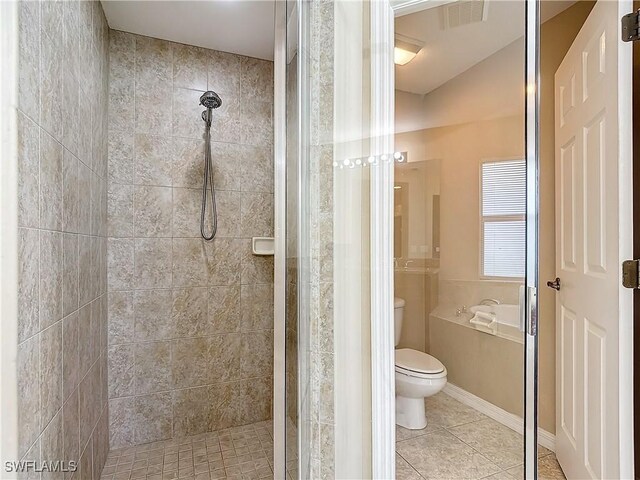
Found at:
(555, 284)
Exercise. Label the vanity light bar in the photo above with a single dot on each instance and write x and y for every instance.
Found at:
(398, 157)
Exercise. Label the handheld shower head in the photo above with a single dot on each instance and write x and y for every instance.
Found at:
(210, 100)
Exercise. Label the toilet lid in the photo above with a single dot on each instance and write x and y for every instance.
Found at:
(419, 362)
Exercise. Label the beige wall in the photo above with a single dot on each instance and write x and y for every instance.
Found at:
(62, 349)
(190, 321)
(479, 115)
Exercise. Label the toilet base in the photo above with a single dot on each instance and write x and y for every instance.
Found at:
(410, 413)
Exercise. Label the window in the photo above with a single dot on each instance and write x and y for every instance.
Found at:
(503, 197)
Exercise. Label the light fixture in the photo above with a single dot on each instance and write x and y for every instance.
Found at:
(405, 49)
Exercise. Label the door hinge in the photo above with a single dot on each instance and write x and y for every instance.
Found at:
(631, 274)
(631, 27)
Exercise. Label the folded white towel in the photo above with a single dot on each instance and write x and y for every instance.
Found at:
(486, 316)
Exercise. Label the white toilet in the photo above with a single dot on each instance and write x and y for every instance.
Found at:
(418, 375)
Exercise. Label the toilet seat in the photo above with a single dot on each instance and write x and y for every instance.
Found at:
(418, 364)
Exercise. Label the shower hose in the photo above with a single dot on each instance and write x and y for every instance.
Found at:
(208, 190)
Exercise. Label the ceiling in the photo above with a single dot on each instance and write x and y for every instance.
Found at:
(244, 27)
(449, 52)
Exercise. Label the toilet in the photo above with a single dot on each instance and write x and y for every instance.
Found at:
(418, 375)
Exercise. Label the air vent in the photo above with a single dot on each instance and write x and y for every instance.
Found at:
(463, 12)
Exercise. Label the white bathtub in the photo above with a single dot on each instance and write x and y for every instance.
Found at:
(500, 320)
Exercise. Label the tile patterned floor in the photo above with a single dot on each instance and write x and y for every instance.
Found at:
(462, 443)
(459, 443)
(235, 453)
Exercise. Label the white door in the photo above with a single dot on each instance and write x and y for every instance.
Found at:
(593, 220)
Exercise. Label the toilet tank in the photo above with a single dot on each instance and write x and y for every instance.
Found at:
(398, 310)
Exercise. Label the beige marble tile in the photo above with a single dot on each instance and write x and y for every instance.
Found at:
(226, 121)
(256, 354)
(70, 111)
(187, 203)
(227, 161)
(52, 445)
(50, 372)
(154, 59)
(257, 79)
(121, 317)
(85, 282)
(88, 397)
(498, 443)
(189, 262)
(439, 454)
(255, 268)
(121, 159)
(153, 417)
(153, 103)
(224, 309)
(153, 263)
(501, 476)
(50, 182)
(70, 273)
(549, 468)
(152, 211)
(152, 160)
(51, 278)
(228, 205)
(28, 370)
(98, 205)
(224, 72)
(187, 119)
(193, 408)
(153, 320)
(190, 67)
(188, 162)
(70, 193)
(28, 283)
(70, 357)
(256, 163)
(152, 367)
(120, 263)
(257, 214)
(191, 360)
(256, 120)
(121, 370)
(84, 199)
(120, 210)
(444, 411)
(189, 311)
(85, 342)
(224, 256)
(122, 102)
(71, 427)
(28, 169)
(257, 307)
(29, 65)
(122, 416)
(51, 82)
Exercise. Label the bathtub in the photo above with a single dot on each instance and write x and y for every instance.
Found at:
(499, 320)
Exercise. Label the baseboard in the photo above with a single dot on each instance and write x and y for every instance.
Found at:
(546, 439)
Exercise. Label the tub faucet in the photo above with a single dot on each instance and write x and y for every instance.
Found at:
(489, 301)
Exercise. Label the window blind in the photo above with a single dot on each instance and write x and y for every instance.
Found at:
(503, 218)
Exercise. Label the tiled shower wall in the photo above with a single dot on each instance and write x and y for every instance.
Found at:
(62, 164)
(190, 321)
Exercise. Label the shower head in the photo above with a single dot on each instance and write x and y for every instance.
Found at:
(210, 100)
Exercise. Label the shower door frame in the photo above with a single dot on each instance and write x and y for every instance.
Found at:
(9, 233)
(380, 28)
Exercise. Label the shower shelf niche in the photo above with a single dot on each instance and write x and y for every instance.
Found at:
(262, 245)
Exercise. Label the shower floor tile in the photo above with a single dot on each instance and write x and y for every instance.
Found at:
(234, 453)
(461, 443)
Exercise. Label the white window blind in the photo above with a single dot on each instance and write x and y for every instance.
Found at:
(503, 218)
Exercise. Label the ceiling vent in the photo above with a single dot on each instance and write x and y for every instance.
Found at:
(463, 12)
